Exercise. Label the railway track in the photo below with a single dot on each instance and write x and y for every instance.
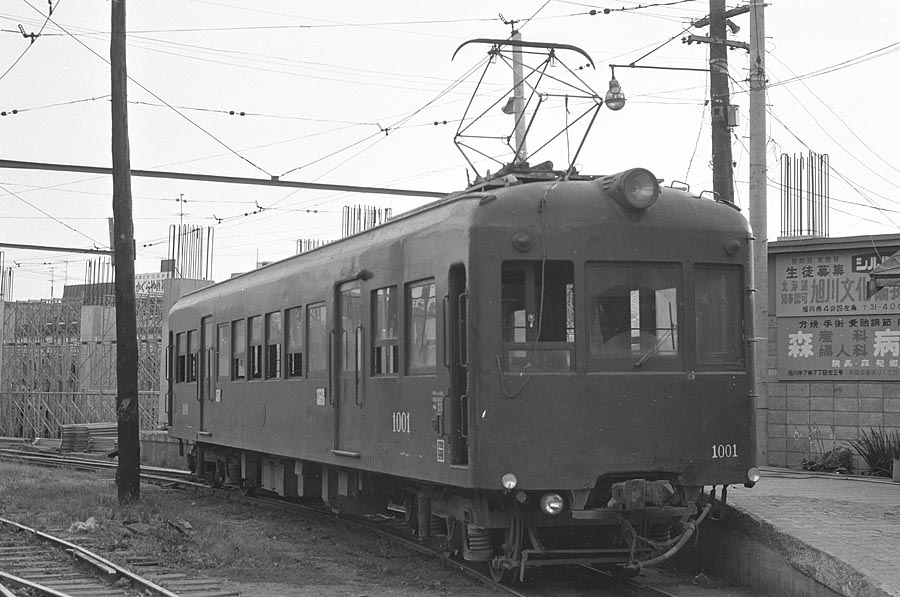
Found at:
(37, 563)
(581, 581)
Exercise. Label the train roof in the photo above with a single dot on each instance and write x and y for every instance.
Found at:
(489, 203)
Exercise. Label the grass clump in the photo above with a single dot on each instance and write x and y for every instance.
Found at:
(163, 523)
(878, 448)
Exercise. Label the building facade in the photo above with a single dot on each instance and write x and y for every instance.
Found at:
(834, 351)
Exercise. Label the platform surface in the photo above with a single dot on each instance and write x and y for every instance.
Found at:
(854, 520)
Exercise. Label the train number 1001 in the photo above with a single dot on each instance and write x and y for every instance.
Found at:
(400, 422)
(724, 451)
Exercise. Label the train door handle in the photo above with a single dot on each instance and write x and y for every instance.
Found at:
(331, 371)
(357, 362)
(447, 346)
(210, 353)
(461, 322)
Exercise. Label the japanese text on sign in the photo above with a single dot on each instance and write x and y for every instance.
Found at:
(824, 283)
(842, 347)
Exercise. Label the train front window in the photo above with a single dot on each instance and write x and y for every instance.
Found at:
(719, 314)
(537, 315)
(633, 310)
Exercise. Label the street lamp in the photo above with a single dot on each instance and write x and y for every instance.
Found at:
(615, 97)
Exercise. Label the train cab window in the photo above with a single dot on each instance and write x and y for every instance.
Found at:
(633, 311)
(191, 373)
(385, 350)
(719, 315)
(537, 315)
(274, 336)
(317, 341)
(238, 349)
(294, 342)
(180, 358)
(255, 357)
(421, 339)
(223, 351)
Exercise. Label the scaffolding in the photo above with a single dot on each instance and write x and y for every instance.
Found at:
(58, 363)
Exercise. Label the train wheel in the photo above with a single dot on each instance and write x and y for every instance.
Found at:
(498, 573)
(503, 566)
(453, 543)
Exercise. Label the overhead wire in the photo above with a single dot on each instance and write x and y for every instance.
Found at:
(825, 130)
(33, 36)
(856, 188)
(874, 54)
(208, 133)
(52, 217)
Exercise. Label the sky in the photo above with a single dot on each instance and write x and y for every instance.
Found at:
(370, 94)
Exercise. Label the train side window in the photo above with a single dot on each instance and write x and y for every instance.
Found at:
(634, 311)
(223, 344)
(421, 339)
(238, 348)
(385, 349)
(718, 315)
(255, 329)
(317, 341)
(537, 315)
(180, 358)
(191, 373)
(274, 336)
(295, 342)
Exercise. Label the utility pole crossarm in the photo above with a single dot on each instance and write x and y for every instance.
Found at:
(704, 22)
(713, 40)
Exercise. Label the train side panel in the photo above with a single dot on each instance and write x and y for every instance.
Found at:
(381, 422)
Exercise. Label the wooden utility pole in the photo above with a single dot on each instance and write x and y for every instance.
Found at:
(519, 99)
(759, 221)
(723, 178)
(128, 479)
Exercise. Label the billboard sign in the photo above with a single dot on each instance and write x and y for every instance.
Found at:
(831, 283)
(826, 327)
(839, 347)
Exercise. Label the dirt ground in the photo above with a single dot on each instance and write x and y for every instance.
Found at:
(265, 553)
(309, 556)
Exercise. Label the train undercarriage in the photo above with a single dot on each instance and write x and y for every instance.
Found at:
(622, 525)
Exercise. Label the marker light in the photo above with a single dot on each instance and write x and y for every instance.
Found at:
(753, 475)
(509, 481)
(634, 189)
(552, 503)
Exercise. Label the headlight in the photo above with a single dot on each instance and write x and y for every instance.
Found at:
(634, 189)
(509, 481)
(552, 503)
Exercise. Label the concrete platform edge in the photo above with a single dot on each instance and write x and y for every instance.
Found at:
(754, 553)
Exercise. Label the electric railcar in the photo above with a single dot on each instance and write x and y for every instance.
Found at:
(544, 369)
